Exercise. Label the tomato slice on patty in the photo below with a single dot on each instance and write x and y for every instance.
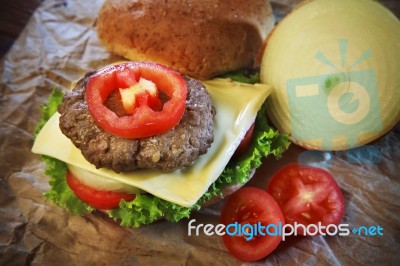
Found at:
(144, 120)
(307, 195)
(251, 205)
(103, 200)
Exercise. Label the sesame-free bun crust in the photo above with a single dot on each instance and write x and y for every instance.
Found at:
(199, 38)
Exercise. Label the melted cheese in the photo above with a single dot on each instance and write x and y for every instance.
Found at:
(236, 104)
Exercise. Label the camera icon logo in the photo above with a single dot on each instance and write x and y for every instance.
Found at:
(337, 106)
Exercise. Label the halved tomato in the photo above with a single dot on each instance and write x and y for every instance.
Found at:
(252, 206)
(103, 200)
(307, 195)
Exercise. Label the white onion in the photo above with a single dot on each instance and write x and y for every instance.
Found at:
(101, 183)
(335, 70)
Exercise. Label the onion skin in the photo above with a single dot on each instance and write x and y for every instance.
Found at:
(348, 54)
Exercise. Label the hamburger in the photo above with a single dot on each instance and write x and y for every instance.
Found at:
(98, 158)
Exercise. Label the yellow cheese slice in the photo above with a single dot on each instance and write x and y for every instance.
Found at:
(236, 104)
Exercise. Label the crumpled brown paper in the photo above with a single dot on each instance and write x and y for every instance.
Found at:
(59, 45)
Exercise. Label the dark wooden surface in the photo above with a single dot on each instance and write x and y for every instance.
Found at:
(14, 14)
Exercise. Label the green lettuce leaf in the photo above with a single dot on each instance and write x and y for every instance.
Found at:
(245, 76)
(59, 192)
(47, 110)
(146, 208)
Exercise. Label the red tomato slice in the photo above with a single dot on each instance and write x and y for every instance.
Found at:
(103, 200)
(245, 144)
(251, 205)
(307, 195)
(145, 121)
(126, 78)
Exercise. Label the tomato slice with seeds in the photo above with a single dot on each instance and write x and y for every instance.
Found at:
(307, 195)
(144, 120)
(102, 200)
(250, 205)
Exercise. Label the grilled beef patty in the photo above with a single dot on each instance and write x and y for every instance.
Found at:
(175, 149)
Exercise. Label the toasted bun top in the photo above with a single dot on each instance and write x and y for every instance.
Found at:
(198, 38)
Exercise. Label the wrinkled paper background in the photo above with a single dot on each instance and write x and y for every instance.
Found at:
(58, 45)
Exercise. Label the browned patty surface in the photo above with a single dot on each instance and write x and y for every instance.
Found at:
(172, 150)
